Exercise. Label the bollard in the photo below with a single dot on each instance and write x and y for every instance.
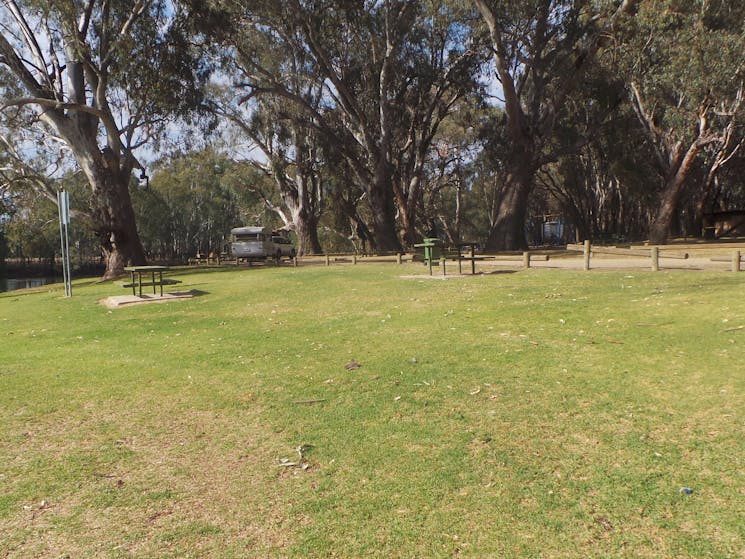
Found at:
(736, 261)
(442, 263)
(354, 259)
(294, 261)
(526, 259)
(398, 258)
(654, 253)
(328, 260)
(586, 255)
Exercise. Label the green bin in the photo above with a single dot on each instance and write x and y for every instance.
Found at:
(432, 249)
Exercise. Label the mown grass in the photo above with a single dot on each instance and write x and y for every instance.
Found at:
(531, 414)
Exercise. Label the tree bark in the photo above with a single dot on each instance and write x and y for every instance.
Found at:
(507, 231)
(508, 227)
(114, 223)
(661, 227)
(300, 197)
(76, 110)
(382, 206)
(407, 210)
(305, 225)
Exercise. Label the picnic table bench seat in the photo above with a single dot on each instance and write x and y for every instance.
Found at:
(148, 283)
(151, 276)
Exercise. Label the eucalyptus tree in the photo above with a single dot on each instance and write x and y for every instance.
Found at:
(97, 78)
(686, 69)
(194, 199)
(541, 50)
(597, 183)
(388, 71)
(31, 228)
(290, 152)
(24, 162)
(600, 188)
(293, 160)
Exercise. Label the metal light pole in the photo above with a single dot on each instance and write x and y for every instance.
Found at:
(63, 205)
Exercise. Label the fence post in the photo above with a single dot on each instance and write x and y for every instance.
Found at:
(328, 260)
(736, 261)
(586, 255)
(526, 259)
(398, 258)
(654, 252)
(354, 259)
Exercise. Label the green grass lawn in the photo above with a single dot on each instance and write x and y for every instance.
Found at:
(531, 414)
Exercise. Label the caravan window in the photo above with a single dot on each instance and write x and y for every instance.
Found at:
(249, 237)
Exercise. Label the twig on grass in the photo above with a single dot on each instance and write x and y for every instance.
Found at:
(314, 401)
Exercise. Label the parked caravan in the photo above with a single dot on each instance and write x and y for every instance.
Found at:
(259, 243)
(251, 243)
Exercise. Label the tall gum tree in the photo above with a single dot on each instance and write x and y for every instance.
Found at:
(290, 158)
(285, 132)
(685, 64)
(540, 49)
(398, 73)
(98, 77)
(390, 72)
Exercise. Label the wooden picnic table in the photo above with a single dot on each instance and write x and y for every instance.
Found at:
(471, 246)
(155, 278)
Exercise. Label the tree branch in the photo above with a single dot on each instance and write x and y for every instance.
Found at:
(53, 104)
(30, 38)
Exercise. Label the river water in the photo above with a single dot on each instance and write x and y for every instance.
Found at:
(10, 284)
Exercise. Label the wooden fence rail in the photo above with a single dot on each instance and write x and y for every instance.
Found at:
(653, 253)
(736, 258)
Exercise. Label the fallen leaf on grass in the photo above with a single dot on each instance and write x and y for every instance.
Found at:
(300, 464)
(604, 523)
(610, 341)
(475, 391)
(352, 365)
(284, 462)
(303, 448)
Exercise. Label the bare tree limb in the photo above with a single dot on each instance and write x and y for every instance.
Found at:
(53, 104)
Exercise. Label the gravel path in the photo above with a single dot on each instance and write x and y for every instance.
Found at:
(606, 262)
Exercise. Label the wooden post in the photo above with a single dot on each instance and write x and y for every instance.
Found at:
(736, 261)
(654, 253)
(442, 263)
(328, 260)
(586, 255)
(526, 259)
(354, 259)
(398, 258)
(294, 261)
